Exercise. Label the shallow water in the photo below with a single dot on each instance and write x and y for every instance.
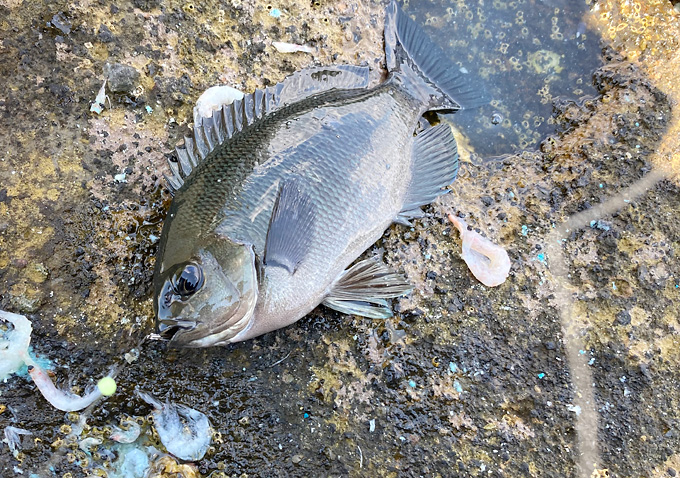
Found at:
(527, 53)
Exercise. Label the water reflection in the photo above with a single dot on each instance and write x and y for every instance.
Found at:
(528, 53)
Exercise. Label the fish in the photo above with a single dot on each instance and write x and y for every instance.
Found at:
(278, 194)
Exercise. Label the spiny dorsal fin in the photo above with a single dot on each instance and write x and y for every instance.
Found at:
(311, 81)
(231, 118)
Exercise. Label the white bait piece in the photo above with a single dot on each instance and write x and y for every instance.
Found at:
(14, 343)
(213, 99)
(126, 436)
(283, 47)
(60, 399)
(12, 438)
(487, 261)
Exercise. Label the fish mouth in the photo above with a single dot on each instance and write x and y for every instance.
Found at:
(168, 328)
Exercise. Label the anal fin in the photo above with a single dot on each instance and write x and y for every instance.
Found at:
(290, 228)
(434, 166)
(363, 288)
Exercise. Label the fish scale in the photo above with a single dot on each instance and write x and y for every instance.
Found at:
(309, 173)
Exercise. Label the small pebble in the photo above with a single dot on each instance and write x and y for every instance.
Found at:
(104, 34)
(121, 78)
(60, 22)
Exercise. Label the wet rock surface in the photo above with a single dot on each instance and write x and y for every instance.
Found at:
(463, 381)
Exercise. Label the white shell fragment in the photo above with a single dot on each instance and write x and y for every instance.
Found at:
(487, 261)
(98, 104)
(184, 432)
(213, 99)
(283, 47)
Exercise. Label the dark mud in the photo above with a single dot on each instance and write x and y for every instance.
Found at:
(464, 381)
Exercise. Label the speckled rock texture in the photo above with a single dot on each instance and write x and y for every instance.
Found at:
(464, 381)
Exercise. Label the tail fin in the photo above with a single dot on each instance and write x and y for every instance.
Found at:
(407, 44)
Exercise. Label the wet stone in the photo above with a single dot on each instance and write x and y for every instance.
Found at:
(487, 200)
(105, 35)
(61, 23)
(122, 78)
(623, 318)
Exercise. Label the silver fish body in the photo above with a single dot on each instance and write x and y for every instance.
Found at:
(295, 183)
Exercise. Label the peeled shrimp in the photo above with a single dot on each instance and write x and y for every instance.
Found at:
(184, 432)
(60, 399)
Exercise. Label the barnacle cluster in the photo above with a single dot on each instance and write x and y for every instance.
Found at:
(647, 32)
(636, 27)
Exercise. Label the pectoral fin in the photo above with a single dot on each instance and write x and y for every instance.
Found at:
(363, 288)
(434, 166)
(290, 228)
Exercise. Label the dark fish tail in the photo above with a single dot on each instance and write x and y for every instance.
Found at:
(413, 55)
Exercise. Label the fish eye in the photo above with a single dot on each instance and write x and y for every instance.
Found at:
(188, 281)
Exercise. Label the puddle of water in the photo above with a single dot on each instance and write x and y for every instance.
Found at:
(528, 53)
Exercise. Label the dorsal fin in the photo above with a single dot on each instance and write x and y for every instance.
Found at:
(231, 118)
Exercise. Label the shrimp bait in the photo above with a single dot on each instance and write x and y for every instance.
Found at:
(14, 343)
(60, 399)
(129, 435)
(13, 440)
(487, 261)
(184, 432)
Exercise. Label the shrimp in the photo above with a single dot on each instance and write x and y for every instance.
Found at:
(12, 439)
(487, 261)
(60, 399)
(185, 432)
(128, 435)
(14, 343)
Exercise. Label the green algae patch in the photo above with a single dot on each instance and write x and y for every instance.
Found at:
(544, 62)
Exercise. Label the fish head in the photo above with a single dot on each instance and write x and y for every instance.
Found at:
(210, 297)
